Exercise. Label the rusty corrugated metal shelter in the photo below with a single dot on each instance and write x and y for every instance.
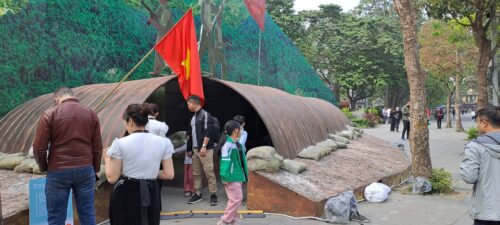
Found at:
(274, 117)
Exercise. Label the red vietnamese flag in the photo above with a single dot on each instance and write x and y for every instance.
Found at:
(179, 49)
(257, 8)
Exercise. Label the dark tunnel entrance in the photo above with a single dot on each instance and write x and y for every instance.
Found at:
(221, 101)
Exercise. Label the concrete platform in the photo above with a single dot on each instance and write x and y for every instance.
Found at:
(366, 160)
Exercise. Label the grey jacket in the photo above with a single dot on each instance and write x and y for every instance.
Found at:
(481, 167)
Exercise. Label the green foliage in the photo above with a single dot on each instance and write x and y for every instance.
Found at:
(361, 122)
(358, 54)
(348, 113)
(48, 44)
(441, 181)
(374, 111)
(472, 133)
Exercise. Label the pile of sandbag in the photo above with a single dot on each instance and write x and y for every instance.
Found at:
(319, 150)
(19, 163)
(178, 139)
(264, 158)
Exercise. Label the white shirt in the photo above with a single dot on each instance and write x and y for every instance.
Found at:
(156, 127)
(141, 154)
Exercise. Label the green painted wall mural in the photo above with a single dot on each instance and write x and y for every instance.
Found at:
(47, 44)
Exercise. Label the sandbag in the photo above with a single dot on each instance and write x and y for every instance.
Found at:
(178, 135)
(377, 192)
(338, 138)
(178, 143)
(263, 152)
(341, 145)
(36, 169)
(329, 144)
(10, 162)
(26, 166)
(339, 209)
(347, 134)
(256, 164)
(311, 152)
(323, 150)
(293, 166)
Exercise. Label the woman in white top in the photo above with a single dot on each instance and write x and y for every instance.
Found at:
(132, 165)
(154, 126)
(157, 128)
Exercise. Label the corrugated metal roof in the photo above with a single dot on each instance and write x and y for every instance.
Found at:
(293, 122)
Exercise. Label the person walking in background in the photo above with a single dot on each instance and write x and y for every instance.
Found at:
(384, 115)
(200, 146)
(233, 170)
(135, 198)
(244, 135)
(481, 166)
(406, 121)
(388, 112)
(159, 129)
(392, 120)
(396, 119)
(439, 117)
(453, 112)
(74, 156)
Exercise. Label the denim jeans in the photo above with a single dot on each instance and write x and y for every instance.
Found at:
(57, 189)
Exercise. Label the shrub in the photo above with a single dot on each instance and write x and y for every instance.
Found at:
(361, 122)
(373, 119)
(348, 113)
(472, 133)
(441, 181)
(373, 111)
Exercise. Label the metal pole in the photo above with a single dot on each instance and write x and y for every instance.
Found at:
(258, 64)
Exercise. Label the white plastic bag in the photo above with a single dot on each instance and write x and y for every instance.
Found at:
(377, 192)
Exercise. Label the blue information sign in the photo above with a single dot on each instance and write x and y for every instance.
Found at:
(38, 205)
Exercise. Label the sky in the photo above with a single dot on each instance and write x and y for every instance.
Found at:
(347, 5)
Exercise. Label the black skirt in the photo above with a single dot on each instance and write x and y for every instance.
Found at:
(126, 205)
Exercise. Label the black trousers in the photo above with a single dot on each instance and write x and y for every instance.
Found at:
(439, 123)
(125, 205)
(482, 222)
(406, 128)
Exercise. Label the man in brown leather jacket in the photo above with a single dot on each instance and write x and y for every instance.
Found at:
(70, 134)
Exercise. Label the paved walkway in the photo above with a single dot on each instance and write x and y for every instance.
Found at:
(446, 152)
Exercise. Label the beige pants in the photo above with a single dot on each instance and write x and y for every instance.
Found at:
(206, 164)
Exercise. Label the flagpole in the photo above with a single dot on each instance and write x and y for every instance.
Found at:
(258, 65)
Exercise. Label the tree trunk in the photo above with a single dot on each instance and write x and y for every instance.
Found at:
(484, 46)
(419, 132)
(458, 97)
(458, 103)
(352, 103)
(448, 110)
(336, 92)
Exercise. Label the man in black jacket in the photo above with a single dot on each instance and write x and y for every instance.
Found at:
(200, 146)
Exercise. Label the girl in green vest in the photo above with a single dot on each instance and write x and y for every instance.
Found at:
(233, 170)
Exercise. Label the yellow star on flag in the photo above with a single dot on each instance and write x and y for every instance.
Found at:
(187, 64)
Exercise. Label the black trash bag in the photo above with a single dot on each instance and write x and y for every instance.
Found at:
(421, 185)
(339, 208)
